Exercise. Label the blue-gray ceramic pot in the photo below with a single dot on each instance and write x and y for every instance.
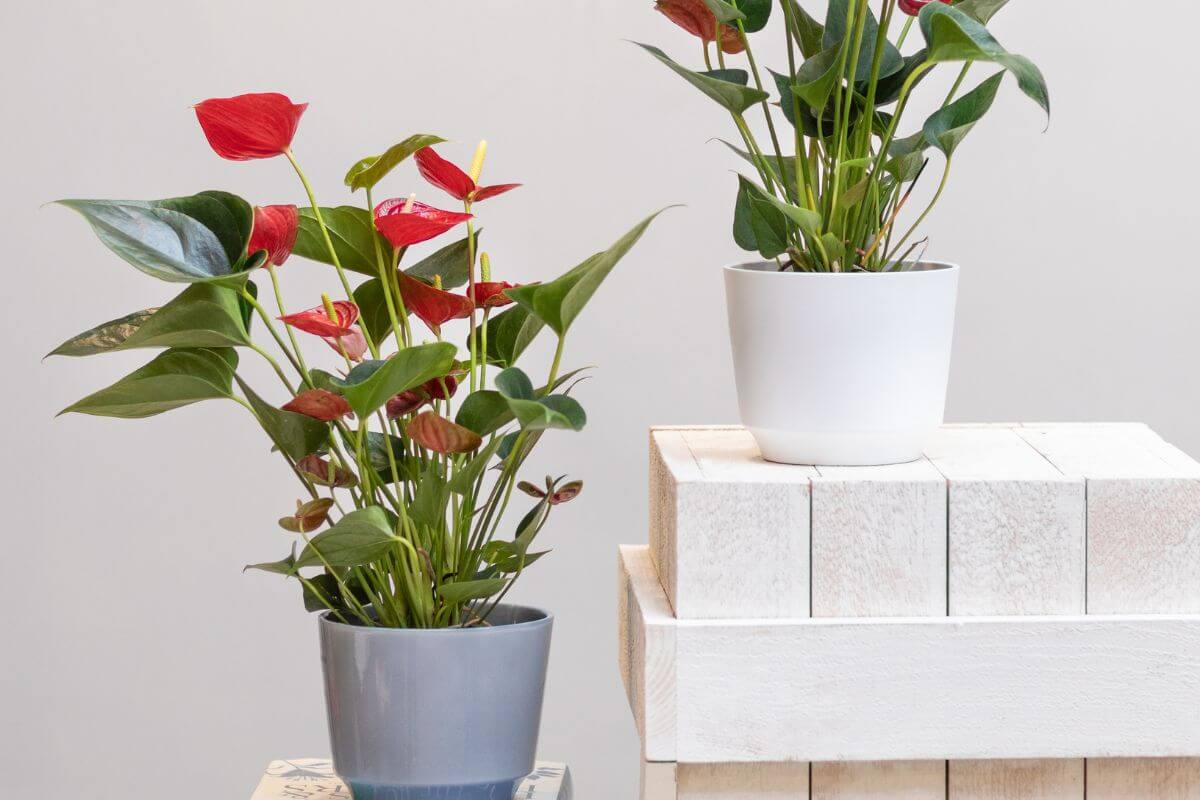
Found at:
(448, 714)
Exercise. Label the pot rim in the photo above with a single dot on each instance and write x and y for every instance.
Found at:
(542, 618)
(926, 268)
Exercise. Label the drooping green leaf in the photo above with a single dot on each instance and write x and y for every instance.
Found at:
(428, 506)
(508, 557)
(757, 14)
(817, 77)
(514, 383)
(730, 96)
(353, 235)
(509, 333)
(907, 157)
(808, 119)
(204, 315)
(162, 242)
(175, 378)
(953, 35)
(836, 33)
(371, 170)
(809, 32)
(297, 435)
(377, 455)
(373, 309)
(450, 263)
(805, 219)
(410, 367)
(758, 224)
(532, 412)
(284, 566)
(982, 10)
(946, 129)
(464, 479)
(889, 88)
(559, 302)
(461, 592)
(735, 76)
(358, 538)
(723, 11)
(784, 170)
(228, 216)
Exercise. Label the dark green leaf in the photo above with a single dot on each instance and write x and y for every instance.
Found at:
(353, 234)
(204, 315)
(889, 88)
(907, 156)
(836, 32)
(377, 455)
(295, 434)
(455, 593)
(947, 127)
(736, 76)
(371, 170)
(428, 506)
(732, 97)
(952, 35)
(509, 333)
(559, 302)
(410, 367)
(320, 592)
(284, 566)
(358, 538)
(982, 10)
(464, 478)
(723, 11)
(808, 31)
(817, 77)
(173, 379)
(373, 309)
(514, 383)
(553, 412)
(784, 170)
(507, 443)
(484, 412)
(450, 262)
(757, 13)
(758, 224)
(228, 216)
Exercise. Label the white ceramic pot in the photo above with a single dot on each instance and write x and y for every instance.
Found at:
(841, 368)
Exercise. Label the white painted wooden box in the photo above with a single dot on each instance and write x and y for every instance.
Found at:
(972, 625)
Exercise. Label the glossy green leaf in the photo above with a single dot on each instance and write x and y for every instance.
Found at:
(358, 538)
(817, 77)
(514, 383)
(836, 32)
(410, 367)
(372, 169)
(952, 35)
(162, 242)
(731, 96)
(428, 507)
(784, 169)
(808, 31)
(377, 455)
(758, 224)
(757, 14)
(889, 88)
(228, 216)
(509, 333)
(982, 10)
(175, 378)
(450, 263)
(461, 592)
(559, 302)
(484, 411)
(805, 219)
(946, 129)
(907, 157)
(284, 566)
(353, 234)
(723, 11)
(373, 309)
(204, 315)
(297, 435)
(735, 76)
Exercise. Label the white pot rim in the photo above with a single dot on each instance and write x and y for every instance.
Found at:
(769, 270)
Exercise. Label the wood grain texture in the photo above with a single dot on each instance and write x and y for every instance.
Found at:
(878, 780)
(646, 652)
(729, 532)
(657, 781)
(779, 781)
(1143, 556)
(1038, 779)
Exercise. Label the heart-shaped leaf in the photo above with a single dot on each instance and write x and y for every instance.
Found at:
(817, 77)
(554, 412)
(358, 538)
(353, 234)
(509, 333)
(372, 169)
(808, 31)
(308, 516)
(982, 10)
(295, 434)
(948, 126)
(514, 383)
(228, 216)
(371, 384)
(434, 432)
(450, 263)
(758, 224)
(731, 96)
(559, 302)
(175, 378)
(757, 14)
(204, 315)
(907, 157)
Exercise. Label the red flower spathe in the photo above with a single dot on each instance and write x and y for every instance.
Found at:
(452, 180)
(249, 126)
(697, 19)
(490, 294)
(275, 229)
(416, 225)
(319, 323)
(434, 306)
(913, 7)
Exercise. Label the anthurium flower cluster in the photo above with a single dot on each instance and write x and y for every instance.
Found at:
(405, 437)
(830, 186)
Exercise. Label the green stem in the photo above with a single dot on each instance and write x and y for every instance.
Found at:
(472, 344)
(962, 76)
(766, 109)
(299, 354)
(401, 333)
(937, 196)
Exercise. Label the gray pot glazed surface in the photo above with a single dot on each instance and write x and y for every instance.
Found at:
(447, 714)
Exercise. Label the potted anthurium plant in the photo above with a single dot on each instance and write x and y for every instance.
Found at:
(842, 336)
(407, 448)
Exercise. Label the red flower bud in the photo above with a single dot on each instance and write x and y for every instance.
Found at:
(319, 404)
(453, 181)
(564, 494)
(409, 401)
(913, 7)
(275, 229)
(696, 18)
(319, 471)
(419, 224)
(433, 306)
(249, 126)
(318, 322)
(490, 294)
(309, 516)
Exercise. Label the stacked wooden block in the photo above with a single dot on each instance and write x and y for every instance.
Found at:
(1017, 615)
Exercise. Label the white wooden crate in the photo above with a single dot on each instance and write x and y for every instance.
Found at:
(792, 614)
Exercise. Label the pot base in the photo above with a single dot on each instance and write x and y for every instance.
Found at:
(476, 791)
(840, 449)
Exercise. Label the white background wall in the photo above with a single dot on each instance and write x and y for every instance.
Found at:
(134, 654)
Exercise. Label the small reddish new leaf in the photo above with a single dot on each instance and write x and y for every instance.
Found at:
(434, 432)
(308, 517)
(913, 7)
(432, 305)
(490, 294)
(249, 126)
(275, 229)
(317, 322)
(697, 19)
(317, 470)
(568, 492)
(353, 343)
(531, 490)
(319, 404)
(419, 224)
